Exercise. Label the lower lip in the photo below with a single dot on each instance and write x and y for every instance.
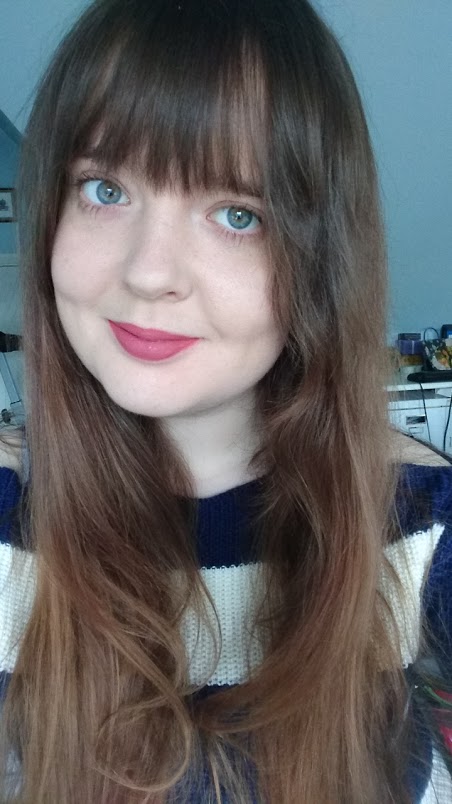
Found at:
(150, 350)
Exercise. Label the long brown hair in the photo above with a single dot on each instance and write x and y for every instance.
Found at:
(100, 708)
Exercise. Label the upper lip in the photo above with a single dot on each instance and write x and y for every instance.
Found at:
(151, 334)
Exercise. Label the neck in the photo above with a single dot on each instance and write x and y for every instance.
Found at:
(217, 444)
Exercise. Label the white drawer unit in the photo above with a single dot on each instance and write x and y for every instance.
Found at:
(423, 413)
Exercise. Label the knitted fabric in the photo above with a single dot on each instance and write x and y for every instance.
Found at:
(423, 560)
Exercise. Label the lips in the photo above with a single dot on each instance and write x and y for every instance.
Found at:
(150, 344)
(150, 334)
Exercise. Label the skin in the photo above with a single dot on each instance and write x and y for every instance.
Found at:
(176, 263)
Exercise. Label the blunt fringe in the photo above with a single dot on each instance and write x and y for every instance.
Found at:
(100, 708)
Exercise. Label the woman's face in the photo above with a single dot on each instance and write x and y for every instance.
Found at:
(194, 266)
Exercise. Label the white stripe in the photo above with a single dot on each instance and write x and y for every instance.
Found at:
(233, 590)
(439, 790)
(411, 558)
(236, 592)
(17, 590)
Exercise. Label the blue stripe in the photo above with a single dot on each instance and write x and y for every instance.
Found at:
(5, 678)
(424, 496)
(224, 529)
(9, 497)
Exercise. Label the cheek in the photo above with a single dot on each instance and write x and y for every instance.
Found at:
(78, 272)
(244, 304)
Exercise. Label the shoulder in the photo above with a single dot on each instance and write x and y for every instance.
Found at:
(11, 444)
(424, 493)
(10, 483)
(17, 566)
(407, 450)
(423, 558)
(421, 551)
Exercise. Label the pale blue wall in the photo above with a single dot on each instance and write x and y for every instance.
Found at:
(29, 32)
(401, 54)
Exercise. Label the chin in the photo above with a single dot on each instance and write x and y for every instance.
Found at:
(144, 407)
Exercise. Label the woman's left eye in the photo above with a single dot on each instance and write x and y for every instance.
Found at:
(104, 192)
(238, 219)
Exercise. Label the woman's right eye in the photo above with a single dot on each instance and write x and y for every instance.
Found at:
(103, 192)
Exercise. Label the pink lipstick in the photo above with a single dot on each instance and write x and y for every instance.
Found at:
(149, 344)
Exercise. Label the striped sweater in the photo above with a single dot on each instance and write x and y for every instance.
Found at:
(423, 560)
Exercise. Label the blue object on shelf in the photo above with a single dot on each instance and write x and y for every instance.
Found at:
(410, 347)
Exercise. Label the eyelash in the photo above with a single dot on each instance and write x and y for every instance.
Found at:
(79, 181)
(236, 237)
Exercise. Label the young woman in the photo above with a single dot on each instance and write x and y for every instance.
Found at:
(220, 579)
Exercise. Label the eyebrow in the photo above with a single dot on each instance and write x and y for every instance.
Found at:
(242, 186)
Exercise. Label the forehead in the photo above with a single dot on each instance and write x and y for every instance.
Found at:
(220, 157)
(202, 127)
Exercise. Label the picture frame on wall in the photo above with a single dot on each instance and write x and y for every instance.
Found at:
(7, 205)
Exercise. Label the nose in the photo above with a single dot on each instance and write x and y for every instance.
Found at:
(157, 259)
